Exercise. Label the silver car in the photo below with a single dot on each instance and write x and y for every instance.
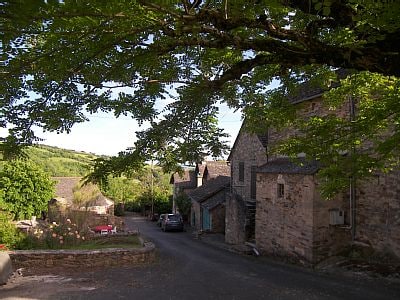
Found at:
(172, 222)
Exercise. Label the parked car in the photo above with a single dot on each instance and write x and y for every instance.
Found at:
(160, 219)
(172, 222)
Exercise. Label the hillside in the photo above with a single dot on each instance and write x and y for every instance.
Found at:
(61, 162)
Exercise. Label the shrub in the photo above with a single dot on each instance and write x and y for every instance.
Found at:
(57, 235)
(10, 236)
(25, 189)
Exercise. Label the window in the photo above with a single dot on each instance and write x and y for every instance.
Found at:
(241, 171)
(253, 183)
(281, 190)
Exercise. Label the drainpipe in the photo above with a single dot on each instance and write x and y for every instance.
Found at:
(352, 177)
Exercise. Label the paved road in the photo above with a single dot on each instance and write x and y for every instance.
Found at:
(191, 269)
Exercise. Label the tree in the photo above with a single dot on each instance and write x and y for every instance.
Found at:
(25, 189)
(65, 57)
(184, 205)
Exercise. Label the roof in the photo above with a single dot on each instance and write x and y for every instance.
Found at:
(100, 200)
(64, 187)
(288, 166)
(210, 188)
(185, 180)
(217, 168)
(306, 91)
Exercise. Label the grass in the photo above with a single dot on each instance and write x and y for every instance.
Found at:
(102, 242)
(109, 242)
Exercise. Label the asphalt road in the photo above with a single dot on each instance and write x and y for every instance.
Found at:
(190, 269)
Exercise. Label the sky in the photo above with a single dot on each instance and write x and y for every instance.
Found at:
(104, 134)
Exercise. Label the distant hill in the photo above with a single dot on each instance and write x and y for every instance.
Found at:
(61, 162)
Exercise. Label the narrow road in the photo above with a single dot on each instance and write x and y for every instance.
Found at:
(191, 269)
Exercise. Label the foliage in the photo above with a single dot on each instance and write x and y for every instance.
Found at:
(56, 235)
(184, 204)
(64, 57)
(10, 236)
(141, 188)
(25, 189)
(84, 194)
(61, 162)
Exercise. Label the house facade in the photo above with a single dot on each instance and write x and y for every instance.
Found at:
(208, 205)
(248, 153)
(208, 199)
(291, 218)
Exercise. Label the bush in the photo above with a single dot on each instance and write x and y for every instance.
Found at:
(56, 236)
(10, 236)
(25, 189)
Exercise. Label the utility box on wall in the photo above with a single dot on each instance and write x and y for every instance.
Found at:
(336, 217)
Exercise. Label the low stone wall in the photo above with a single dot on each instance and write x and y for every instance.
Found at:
(83, 258)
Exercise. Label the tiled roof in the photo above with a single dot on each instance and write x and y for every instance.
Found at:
(210, 188)
(186, 180)
(287, 166)
(306, 91)
(217, 168)
(65, 185)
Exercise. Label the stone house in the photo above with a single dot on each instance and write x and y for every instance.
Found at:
(208, 205)
(208, 199)
(248, 153)
(97, 211)
(182, 184)
(291, 218)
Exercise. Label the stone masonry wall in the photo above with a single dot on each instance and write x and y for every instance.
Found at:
(195, 210)
(83, 258)
(249, 150)
(377, 208)
(378, 212)
(218, 219)
(285, 225)
(234, 220)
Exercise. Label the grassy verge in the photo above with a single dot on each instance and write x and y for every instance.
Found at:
(125, 242)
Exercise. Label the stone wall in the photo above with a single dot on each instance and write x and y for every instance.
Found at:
(281, 227)
(296, 226)
(249, 150)
(285, 225)
(218, 219)
(83, 258)
(378, 212)
(195, 215)
(235, 215)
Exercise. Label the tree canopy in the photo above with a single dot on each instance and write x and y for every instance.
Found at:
(172, 63)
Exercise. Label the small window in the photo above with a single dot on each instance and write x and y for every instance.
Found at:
(281, 190)
(253, 183)
(241, 171)
(313, 106)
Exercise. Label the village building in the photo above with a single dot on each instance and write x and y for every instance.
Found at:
(182, 184)
(247, 153)
(291, 218)
(208, 205)
(208, 199)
